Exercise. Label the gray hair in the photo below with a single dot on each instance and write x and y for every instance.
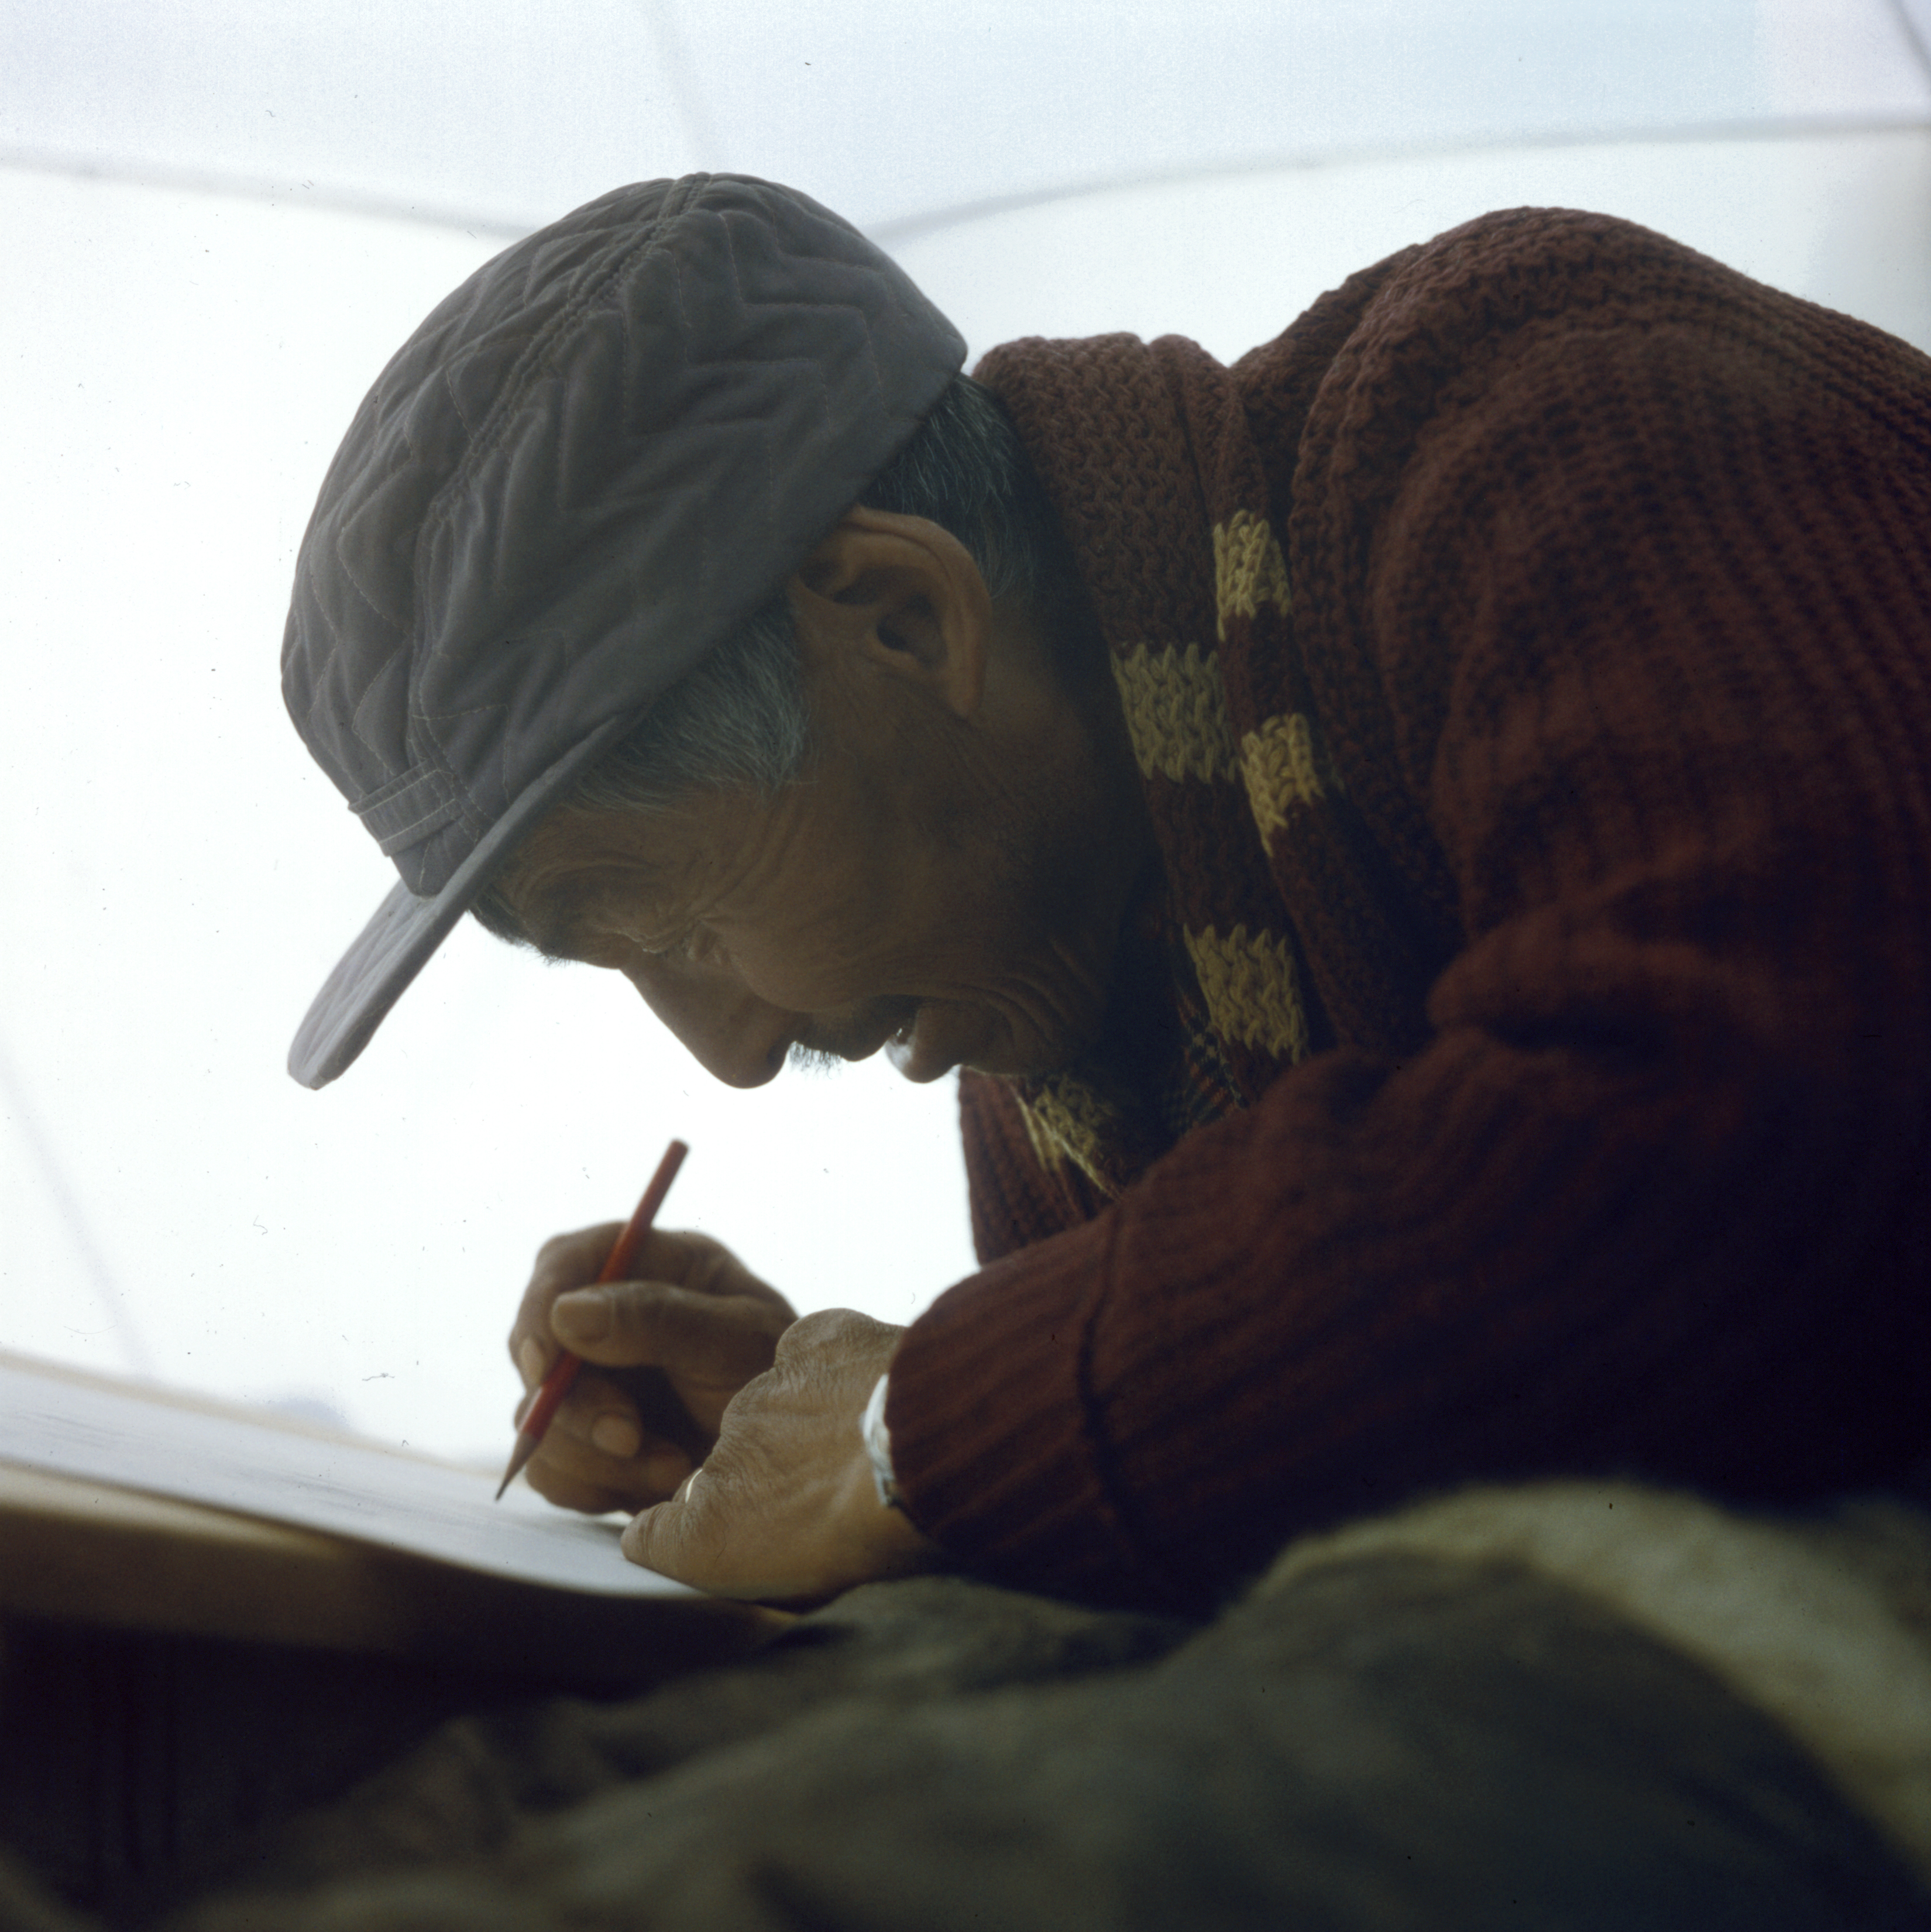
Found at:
(739, 719)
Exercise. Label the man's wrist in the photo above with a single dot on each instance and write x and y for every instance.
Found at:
(878, 1440)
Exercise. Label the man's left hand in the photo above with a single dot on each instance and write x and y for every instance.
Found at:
(785, 1509)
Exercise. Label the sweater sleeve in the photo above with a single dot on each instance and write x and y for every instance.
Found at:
(1648, 604)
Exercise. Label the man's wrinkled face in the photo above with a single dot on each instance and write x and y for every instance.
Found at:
(836, 919)
(948, 882)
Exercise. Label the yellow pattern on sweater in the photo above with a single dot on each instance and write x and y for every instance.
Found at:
(1065, 1120)
(1252, 988)
(1249, 570)
(1285, 765)
(1176, 712)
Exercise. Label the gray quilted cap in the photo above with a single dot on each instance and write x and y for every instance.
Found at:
(592, 462)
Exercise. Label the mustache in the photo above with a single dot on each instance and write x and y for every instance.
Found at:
(828, 1044)
(804, 1059)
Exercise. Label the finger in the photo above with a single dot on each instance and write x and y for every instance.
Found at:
(667, 1538)
(704, 1266)
(570, 1261)
(689, 1538)
(674, 1254)
(652, 1473)
(570, 1492)
(600, 1410)
(575, 1261)
(617, 1411)
(599, 1415)
(563, 1262)
(833, 1334)
(599, 1440)
(723, 1338)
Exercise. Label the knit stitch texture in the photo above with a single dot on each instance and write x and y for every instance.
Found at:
(1528, 658)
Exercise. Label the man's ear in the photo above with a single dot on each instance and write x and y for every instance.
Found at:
(902, 596)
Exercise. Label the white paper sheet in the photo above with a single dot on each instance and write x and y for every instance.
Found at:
(130, 1437)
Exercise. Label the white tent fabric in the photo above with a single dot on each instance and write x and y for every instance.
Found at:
(222, 215)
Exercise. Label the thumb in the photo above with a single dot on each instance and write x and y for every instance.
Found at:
(655, 1324)
(660, 1538)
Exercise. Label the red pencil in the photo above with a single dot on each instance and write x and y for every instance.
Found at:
(563, 1372)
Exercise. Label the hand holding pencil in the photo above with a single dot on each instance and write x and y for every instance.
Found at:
(563, 1375)
(668, 1327)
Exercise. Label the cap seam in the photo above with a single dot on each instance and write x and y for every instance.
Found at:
(440, 513)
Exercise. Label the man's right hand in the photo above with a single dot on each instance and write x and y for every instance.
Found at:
(663, 1355)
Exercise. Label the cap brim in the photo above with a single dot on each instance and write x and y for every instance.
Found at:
(397, 944)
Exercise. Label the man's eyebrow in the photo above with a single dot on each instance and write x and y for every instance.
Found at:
(555, 910)
(554, 932)
(560, 927)
(546, 927)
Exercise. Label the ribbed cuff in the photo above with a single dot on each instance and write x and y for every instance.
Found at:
(992, 1444)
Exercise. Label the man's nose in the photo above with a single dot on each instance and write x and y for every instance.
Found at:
(731, 1033)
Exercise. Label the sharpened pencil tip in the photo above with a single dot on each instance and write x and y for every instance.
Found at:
(526, 1447)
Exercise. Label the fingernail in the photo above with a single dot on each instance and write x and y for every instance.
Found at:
(531, 1356)
(582, 1317)
(615, 1435)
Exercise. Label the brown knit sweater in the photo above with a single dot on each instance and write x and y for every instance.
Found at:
(1529, 656)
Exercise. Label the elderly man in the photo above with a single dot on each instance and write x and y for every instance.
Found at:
(1419, 845)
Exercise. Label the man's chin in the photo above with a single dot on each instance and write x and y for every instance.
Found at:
(912, 1060)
